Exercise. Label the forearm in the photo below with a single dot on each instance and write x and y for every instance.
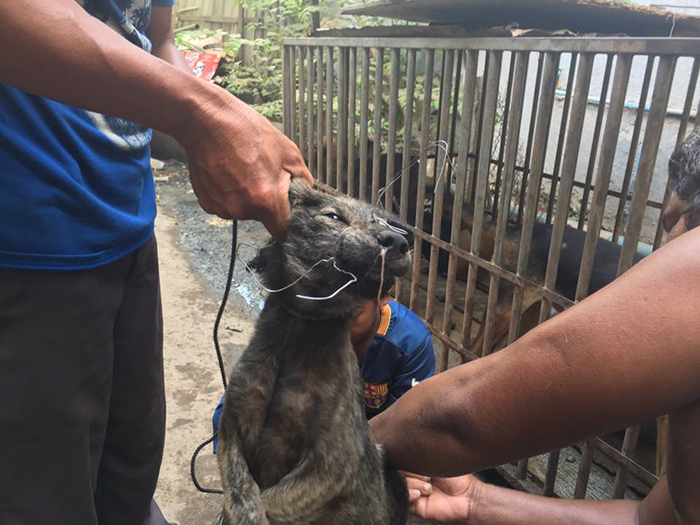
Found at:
(63, 53)
(499, 506)
(169, 52)
(626, 354)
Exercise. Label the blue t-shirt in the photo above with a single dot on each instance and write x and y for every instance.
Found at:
(76, 186)
(400, 356)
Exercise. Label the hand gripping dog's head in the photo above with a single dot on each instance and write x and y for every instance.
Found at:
(330, 242)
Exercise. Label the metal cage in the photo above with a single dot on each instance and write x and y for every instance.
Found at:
(524, 130)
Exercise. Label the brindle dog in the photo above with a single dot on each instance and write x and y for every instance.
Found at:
(295, 445)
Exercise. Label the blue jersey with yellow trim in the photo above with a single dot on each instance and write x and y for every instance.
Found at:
(400, 356)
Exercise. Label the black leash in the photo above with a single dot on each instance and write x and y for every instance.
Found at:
(219, 356)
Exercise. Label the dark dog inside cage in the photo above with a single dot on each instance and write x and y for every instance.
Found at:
(605, 265)
(295, 444)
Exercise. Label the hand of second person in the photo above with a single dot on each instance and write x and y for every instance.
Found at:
(451, 500)
(240, 164)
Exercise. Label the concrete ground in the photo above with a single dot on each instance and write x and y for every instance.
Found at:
(194, 253)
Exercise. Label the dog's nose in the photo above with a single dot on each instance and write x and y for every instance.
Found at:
(393, 242)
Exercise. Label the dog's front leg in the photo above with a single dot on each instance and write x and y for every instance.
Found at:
(302, 495)
(243, 504)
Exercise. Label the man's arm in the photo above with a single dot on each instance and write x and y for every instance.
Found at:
(239, 163)
(160, 32)
(626, 354)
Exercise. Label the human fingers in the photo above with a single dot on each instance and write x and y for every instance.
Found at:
(413, 475)
(422, 487)
(276, 215)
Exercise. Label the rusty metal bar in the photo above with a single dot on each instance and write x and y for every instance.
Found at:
(629, 446)
(424, 131)
(504, 130)
(292, 72)
(562, 135)
(408, 133)
(465, 128)
(330, 168)
(455, 110)
(596, 139)
(584, 471)
(302, 102)
(650, 148)
(405, 181)
(479, 128)
(439, 187)
(568, 174)
(310, 156)
(320, 158)
(378, 102)
(490, 105)
(682, 128)
(512, 141)
(364, 114)
(286, 92)
(342, 118)
(352, 79)
(605, 167)
(530, 137)
(393, 117)
(632, 157)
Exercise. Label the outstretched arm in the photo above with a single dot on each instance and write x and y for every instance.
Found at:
(626, 354)
(239, 163)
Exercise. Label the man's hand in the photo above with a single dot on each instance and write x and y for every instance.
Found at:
(241, 165)
(445, 500)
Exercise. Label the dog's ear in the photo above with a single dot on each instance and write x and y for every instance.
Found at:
(302, 194)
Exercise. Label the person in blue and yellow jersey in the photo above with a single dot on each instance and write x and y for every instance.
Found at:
(394, 351)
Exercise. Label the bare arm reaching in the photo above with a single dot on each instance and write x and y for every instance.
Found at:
(239, 163)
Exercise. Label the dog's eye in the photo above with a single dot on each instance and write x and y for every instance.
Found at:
(335, 217)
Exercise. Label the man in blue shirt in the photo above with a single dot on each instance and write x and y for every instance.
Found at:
(394, 351)
(82, 414)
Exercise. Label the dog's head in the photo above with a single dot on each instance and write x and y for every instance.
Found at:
(330, 242)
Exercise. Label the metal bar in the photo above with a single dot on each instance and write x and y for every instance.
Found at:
(330, 168)
(629, 446)
(405, 181)
(342, 118)
(302, 102)
(364, 112)
(682, 128)
(439, 116)
(352, 78)
(479, 129)
(605, 167)
(439, 189)
(632, 157)
(310, 156)
(465, 128)
(378, 102)
(504, 128)
(530, 137)
(292, 72)
(393, 117)
(424, 130)
(594, 142)
(568, 174)
(650, 148)
(546, 103)
(408, 133)
(320, 158)
(522, 60)
(455, 112)
(637, 46)
(286, 95)
(584, 471)
(490, 105)
(562, 135)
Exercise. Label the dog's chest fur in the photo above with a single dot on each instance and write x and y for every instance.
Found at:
(315, 393)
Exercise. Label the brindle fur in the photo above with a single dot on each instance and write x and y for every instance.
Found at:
(295, 445)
